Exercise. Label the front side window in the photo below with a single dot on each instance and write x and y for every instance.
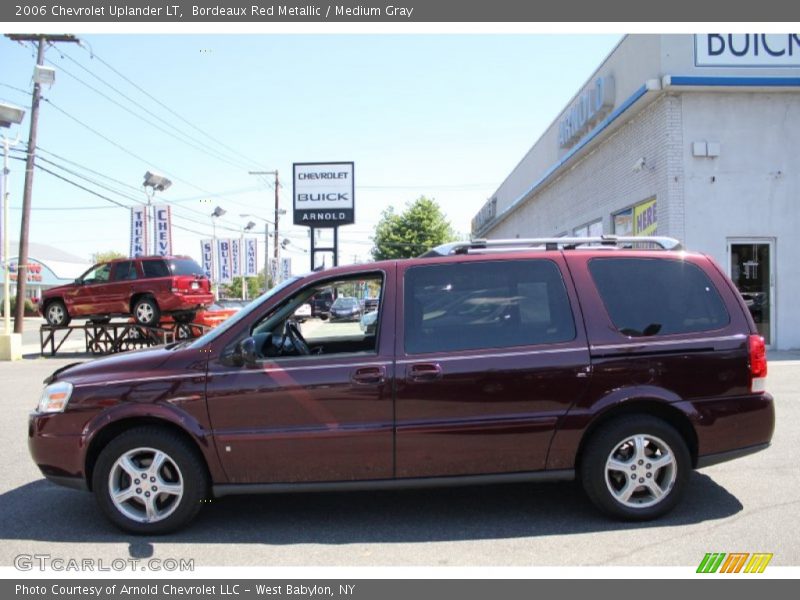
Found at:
(650, 296)
(496, 304)
(99, 274)
(347, 329)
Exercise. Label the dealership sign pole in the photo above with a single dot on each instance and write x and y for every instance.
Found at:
(324, 198)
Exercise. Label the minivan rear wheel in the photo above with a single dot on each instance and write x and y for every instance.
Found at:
(149, 480)
(635, 468)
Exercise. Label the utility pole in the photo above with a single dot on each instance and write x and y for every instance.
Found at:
(22, 259)
(275, 239)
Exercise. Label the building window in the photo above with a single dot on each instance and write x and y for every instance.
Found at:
(593, 229)
(641, 219)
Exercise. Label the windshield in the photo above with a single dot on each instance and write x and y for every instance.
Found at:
(242, 314)
(344, 303)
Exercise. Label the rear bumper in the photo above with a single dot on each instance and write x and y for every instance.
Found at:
(713, 459)
(731, 427)
(176, 302)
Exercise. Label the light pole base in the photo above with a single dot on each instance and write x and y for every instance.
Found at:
(10, 346)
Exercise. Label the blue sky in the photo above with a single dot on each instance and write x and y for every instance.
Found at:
(446, 116)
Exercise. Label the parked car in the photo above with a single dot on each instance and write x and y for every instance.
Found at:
(370, 304)
(345, 308)
(303, 312)
(321, 304)
(235, 304)
(146, 288)
(534, 360)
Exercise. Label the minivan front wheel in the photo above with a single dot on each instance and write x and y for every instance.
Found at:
(149, 480)
(635, 468)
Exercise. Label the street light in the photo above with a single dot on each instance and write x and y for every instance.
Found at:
(10, 343)
(156, 183)
(267, 223)
(218, 212)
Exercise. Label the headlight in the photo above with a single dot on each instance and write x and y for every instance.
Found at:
(55, 397)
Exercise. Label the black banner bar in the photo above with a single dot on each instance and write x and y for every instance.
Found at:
(402, 11)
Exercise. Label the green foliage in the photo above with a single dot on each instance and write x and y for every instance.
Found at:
(100, 257)
(255, 287)
(411, 233)
(30, 308)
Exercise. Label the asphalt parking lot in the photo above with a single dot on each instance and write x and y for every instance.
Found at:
(749, 505)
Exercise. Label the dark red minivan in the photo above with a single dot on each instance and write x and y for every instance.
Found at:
(491, 362)
(145, 287)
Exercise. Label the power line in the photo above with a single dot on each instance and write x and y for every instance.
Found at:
(94, 56)
(130, 153)
(140, 117)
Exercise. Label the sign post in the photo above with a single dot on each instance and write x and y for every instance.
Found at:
(323, 197)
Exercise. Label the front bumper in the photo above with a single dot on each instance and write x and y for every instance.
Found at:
(59, 456)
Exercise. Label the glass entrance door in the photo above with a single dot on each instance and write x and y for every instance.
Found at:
(751, 269)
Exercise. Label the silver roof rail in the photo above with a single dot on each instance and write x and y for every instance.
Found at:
(554, 243)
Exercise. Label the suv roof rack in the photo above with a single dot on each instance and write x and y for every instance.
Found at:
(559, 243)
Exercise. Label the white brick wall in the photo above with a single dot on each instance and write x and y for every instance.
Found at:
(604, 181)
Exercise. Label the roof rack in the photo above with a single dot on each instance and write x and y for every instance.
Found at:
(560, 243)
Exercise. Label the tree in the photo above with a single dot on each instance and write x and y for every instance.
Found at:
(99, 257)
(255, 285)
(411, 233)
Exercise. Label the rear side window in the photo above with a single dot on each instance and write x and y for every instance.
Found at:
(125, 271)
(184, 266)
(155, 268)
(646, 297)
(493, 304)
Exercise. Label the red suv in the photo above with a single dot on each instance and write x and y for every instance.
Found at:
(144, 287)
(622, 367)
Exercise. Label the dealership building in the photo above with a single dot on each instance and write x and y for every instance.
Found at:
(48, 267)
(695, 137)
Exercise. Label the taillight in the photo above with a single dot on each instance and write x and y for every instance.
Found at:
(758, 363)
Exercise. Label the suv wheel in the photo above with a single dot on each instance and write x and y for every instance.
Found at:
(149, 481)
(635, 468)
(146, 311)
(56, 314)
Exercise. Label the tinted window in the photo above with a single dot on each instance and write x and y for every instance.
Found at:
(184, 266)
(125, 271)
(657, 297)
(485, 305)
(155, 268)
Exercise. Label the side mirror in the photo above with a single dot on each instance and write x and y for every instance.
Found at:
(244, 354)
(79, 281)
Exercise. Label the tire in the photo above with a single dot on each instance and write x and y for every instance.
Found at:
(639, 489)
(55, 313)
(182, 473)
(146, 311)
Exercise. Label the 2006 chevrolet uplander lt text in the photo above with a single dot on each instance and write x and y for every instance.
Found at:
(624, 362)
